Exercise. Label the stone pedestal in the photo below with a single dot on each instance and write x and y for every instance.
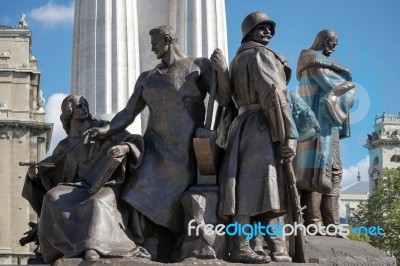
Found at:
(200, 204)
(136, 262)
(111, 261)
(337, 251)
(322, 251)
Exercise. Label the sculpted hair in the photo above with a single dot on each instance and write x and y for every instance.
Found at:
(164, 31)
(323, 35)
(66, 111)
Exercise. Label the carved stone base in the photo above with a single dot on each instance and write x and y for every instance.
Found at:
(326, 250)
(111, 261)
(200, 205)
(322, 251)
(137, 262)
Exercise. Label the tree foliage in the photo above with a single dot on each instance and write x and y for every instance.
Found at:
(383, 209)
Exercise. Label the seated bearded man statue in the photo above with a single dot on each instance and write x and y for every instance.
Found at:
(78, 199)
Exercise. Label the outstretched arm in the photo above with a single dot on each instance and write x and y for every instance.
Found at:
(125, 117)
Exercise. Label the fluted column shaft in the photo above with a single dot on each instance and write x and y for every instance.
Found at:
(200, 26)
(105, 62)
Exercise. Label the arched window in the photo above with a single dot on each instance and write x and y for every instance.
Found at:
(376, 160)
(395, 158)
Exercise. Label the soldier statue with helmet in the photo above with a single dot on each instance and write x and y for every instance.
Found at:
(252, 188)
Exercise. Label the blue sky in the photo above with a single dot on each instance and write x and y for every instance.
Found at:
(368, 45)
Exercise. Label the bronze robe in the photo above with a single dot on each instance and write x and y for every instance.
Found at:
(176, 110)
(72, 220)
(316, 159)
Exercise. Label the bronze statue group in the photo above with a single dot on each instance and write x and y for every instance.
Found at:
(140, 180)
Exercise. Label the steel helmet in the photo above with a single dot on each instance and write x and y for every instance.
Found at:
(253, 20)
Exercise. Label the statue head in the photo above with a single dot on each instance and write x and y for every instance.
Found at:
(161, 39)
(253, 20)
(74, 107)
(326, 42)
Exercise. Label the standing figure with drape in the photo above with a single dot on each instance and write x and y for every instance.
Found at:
(325, 85)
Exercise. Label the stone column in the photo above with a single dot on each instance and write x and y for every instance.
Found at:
(200, 26)
(105, 63)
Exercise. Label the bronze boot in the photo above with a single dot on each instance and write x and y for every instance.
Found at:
(242, 252)
(277, 244)
(246, 255)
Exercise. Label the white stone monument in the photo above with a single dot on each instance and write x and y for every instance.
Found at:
(111, 45)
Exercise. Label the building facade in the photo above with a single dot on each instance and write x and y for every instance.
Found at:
(351, 196)
(24, 136)
(111, 45)
(383, 145)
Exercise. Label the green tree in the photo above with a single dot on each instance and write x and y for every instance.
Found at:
(383, 209)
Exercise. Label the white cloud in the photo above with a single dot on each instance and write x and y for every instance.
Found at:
(53, 112)
(51, 14)
(350, 173)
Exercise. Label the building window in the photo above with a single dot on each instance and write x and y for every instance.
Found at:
(395, 158)
(376, 160)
